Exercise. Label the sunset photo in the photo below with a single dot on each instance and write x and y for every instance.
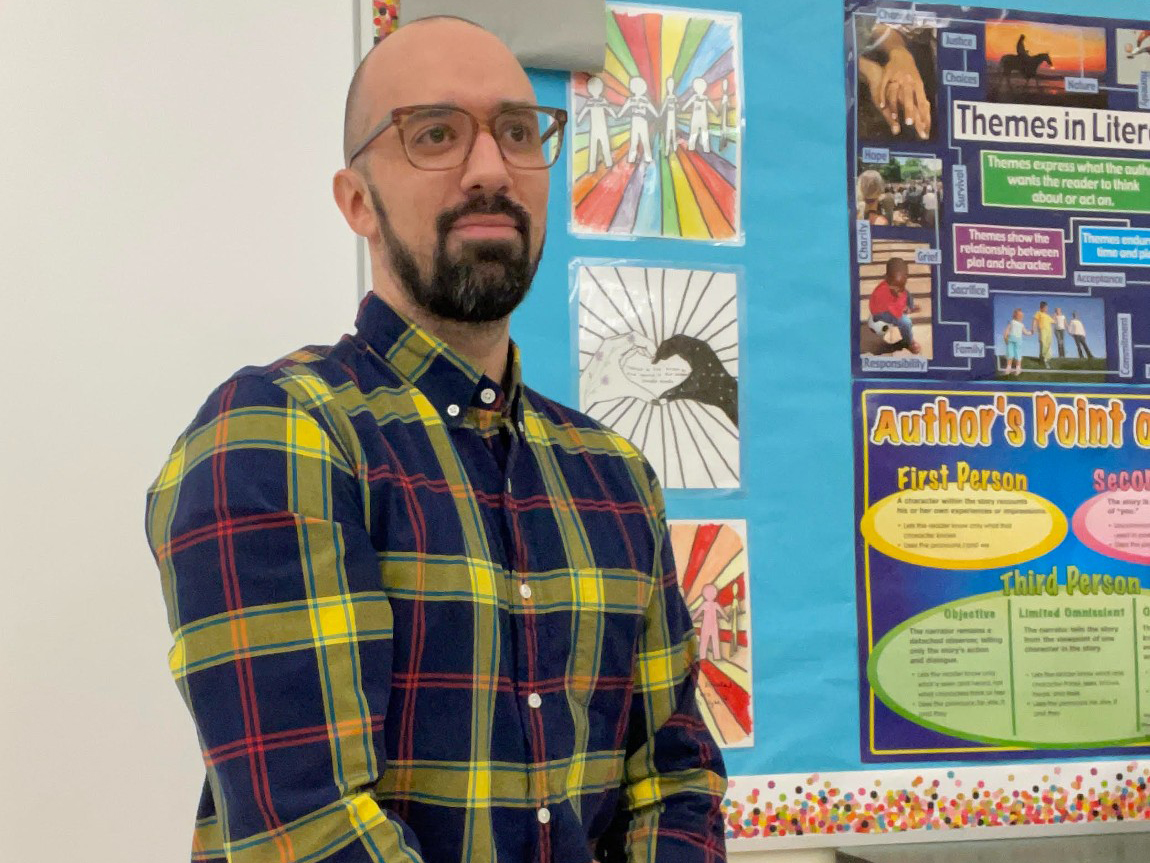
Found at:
(1029, 61)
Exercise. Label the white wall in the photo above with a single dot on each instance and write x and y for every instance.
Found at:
(165, 217)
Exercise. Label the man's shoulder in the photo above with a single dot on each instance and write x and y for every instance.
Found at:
(310, 377)
(303, 374)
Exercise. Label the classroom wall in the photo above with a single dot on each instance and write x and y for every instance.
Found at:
(165, 217)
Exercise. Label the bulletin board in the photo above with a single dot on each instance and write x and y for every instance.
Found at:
(899, 403)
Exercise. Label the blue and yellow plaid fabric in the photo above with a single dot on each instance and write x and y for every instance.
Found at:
(418, 618)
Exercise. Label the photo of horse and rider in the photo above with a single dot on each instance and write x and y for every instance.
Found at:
(1029, 61)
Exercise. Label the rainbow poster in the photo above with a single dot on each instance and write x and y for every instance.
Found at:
(657, 135)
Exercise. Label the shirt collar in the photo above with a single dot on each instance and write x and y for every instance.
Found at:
(451, 383)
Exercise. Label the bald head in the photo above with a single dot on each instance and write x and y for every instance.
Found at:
(443, 49)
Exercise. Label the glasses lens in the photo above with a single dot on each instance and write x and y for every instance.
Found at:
(437, 138)
(528, 137)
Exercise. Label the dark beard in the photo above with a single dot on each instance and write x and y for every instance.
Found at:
(487, 281)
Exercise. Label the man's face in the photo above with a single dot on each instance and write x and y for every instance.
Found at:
(463, 243)
(483, 277)
(897, 278)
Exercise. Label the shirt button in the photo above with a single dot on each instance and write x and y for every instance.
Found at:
(522, 428)
(544, 814)
(487, 396)
(533, 700)
(453, 410)
(525, 591)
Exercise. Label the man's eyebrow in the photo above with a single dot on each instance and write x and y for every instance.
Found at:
(507, 105)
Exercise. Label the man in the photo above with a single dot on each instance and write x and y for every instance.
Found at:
(891, 303)
(1060, 331)
(422, 613)
(1020, 47)
(1078, 331)
(929, 208)
(1043, 325)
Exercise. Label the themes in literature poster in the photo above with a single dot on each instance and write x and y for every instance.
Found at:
(711, 560)
(659, 363)
(1003, 578)
(656, 136)
(999, 176)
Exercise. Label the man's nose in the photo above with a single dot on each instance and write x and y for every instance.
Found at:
(485, 169)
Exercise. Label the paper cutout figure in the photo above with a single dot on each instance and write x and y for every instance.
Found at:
(701, 108)
(711, 562)
(599, 109)
(639, 108)
(708, 616)
(651, 185)
(658, 363)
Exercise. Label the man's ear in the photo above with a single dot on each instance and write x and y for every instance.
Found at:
(354, 201)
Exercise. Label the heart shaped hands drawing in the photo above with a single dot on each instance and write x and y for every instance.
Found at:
(624, 366)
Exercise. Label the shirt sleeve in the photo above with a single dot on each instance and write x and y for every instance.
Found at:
(673, 777)
(282, 634)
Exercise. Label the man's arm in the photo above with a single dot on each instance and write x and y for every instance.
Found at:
(673, 776)
(282, 635)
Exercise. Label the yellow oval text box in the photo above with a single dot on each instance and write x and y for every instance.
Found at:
(953, 528)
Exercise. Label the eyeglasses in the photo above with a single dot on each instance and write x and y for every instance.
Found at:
(441, 137)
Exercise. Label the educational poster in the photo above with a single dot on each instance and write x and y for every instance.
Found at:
(659, 363)
(711, 561)
(655, 137)
(999, 179)
(1003, 571)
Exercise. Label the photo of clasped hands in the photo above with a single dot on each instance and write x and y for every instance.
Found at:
(895, 83)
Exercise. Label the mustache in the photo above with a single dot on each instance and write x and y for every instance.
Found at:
(484, 205)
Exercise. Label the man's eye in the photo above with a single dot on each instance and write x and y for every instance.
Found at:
(434, 136)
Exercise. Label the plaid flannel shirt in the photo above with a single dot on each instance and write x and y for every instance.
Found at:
(416, 618)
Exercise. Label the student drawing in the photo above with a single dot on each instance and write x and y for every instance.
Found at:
(667, 74)
(711, 561)
(639, 108)
(701, 109)
(599, 109)
(658, 362)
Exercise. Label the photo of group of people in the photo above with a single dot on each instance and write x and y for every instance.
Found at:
(906, 192)
(1050, 337)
